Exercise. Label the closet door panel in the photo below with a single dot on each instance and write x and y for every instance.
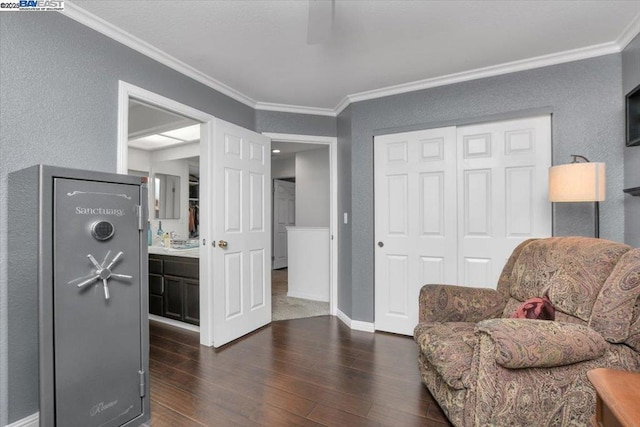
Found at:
(415, 222)
(503, 171)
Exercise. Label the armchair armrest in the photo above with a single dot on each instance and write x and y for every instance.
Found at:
(527, 343)
(448, 303)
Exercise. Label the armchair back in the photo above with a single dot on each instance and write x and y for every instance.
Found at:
(572, 271)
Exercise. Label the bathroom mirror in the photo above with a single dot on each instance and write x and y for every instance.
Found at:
(167, 196)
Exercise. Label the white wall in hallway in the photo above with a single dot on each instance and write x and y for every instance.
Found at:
(312, 188)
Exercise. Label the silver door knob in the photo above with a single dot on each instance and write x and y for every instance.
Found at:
(380, 244)
(222, 244)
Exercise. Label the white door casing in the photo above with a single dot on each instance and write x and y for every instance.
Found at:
(502, 194)
(452, 212)
(284, 215)
(242, 207)
(415, 222)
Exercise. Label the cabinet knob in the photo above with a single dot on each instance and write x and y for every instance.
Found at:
(222, 244)
(381, 244)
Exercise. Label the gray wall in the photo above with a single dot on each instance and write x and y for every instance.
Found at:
(584, 98)
(631, 79)
(297, 124)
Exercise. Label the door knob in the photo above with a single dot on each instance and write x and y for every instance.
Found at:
(380, 244)
(222, 244)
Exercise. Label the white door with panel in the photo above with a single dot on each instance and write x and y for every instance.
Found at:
(503, 172)
(284, 215)
(242, 232)
(451, 204)
(415, 222)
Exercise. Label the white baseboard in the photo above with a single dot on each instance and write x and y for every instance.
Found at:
(32, 420)
(175, 323)
(309, 296)
(356, 325)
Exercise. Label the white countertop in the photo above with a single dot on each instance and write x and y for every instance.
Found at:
(187, 253)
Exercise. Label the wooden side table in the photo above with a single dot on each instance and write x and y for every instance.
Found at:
(618, 398)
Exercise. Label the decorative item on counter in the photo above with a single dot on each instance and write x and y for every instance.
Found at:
(160, 233)
(166, 240)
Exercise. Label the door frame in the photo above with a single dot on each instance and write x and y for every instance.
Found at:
(332, 143)
(127, 91)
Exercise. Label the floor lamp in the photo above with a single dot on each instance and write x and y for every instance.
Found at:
(579, 181)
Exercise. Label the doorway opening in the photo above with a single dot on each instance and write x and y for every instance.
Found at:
(169, 142)
(304, 212)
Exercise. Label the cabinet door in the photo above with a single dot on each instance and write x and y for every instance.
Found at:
(191, 290)
(172, 298)
(156, 305)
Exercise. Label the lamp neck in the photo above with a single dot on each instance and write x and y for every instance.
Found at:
(577, 156)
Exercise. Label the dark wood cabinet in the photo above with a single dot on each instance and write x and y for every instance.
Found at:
(174, 288)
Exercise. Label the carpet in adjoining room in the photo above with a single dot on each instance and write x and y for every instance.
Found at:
(284, 307)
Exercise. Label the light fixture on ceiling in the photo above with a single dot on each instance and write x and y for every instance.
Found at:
(189, 133)
(275, 151)
(167, 139)
(579, 181)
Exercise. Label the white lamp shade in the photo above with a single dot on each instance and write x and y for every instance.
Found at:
(577, 182)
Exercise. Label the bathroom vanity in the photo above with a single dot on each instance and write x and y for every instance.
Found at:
(174, 285)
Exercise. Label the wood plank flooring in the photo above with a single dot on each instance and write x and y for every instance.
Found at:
(303, 372)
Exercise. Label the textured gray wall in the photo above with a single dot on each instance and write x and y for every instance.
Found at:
(588, 119)
(58, 106)
(344, 206)
(631, 79)
(297, 124)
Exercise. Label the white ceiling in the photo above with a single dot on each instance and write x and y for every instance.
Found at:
(258, 50)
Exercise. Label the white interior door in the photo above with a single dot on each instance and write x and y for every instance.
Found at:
(451, 204)
(415, 221)
(241, 232)
(502, 197)
(284, 215)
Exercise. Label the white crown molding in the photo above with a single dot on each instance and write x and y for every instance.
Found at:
(479, 73)
(297, 109)
(629, 33)
(100, 25)
(288, 137)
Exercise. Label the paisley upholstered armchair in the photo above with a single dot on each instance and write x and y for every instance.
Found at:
(487, 369)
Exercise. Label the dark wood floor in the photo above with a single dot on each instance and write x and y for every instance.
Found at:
(307, 372)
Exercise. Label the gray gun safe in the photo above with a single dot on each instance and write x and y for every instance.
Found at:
(78, 295)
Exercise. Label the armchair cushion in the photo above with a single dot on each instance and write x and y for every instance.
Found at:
(448, 347)
(527, 343)
(447, 303)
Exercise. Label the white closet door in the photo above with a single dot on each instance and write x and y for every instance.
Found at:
(415, 221)
(241, 232)
(284, 215)
(451, 204)
(502, 193)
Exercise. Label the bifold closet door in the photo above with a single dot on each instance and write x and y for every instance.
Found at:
(415, 221)
(451, 204)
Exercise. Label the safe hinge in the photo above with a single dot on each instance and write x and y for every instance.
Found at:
(139, 214)
(142, 383)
